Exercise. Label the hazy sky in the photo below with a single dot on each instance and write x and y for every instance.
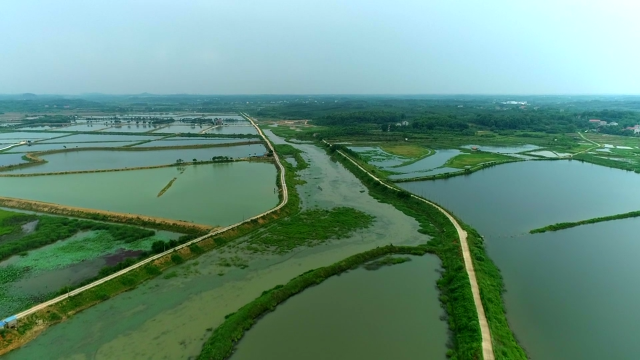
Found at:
(323, 46)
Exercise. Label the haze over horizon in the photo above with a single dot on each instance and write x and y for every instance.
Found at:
(328, 47)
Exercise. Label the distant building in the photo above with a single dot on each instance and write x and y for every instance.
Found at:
(613, 123)
(9, 323)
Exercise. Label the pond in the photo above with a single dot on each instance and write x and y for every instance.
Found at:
(86, 127)
(189, 141)
(568, 292)
(133, 128)
(211, 194)
(420, 167)
(11, 159)
(23, 135)
(67, 262)
(378, 157)
(62, 145)
(105, 159)
(100, 137)
(389, 313)
(230, 129)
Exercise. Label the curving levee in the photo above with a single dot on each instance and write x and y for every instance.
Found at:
(487, 344)
(285, 199)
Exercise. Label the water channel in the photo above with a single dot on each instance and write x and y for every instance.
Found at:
(570, 294)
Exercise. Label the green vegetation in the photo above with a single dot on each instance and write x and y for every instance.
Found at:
(475, 158)
(406, 150)
(164, 189)
(567, 225)
(385, 261)
(454, 286)
(310, 228)
(221, 343)
(51, 229)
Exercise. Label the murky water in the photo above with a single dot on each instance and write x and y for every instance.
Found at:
(100, 137)
(103, 160)
(23, 135)
(134, 128)
(232, 130)
(186, 141)
(214, 194)
(570, 294)
(503, 149)
(86, 127)
(169, 318)
(390, 313)
(11, 159)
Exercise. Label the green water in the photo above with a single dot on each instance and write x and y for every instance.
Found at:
(185, 141)
(98, 137)
(169, 318)
(105, 159)
(570, 294)
(390, 313)
(62, 146)
(213, 194)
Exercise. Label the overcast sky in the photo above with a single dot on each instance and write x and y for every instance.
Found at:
(320, 47)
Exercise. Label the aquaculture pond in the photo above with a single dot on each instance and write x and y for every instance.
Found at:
(378, 157)
(231, 129)
(212, 194)
(86, 127)
(422, 167)
(190, 141)
(173, 315)
(190, 129)
(100, 137)
(11, 159)
(389, 313)
(570, 294)
(63, 145)
(133, 128)
(23, 135)
(68, 262)
(119, 159)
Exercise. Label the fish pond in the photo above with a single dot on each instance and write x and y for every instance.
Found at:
(119, 159)
(11, 159)
(211, 194)
(389, 313)
(191, 141)
(62, 145)
(571, 294)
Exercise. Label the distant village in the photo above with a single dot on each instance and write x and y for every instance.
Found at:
(598, 122)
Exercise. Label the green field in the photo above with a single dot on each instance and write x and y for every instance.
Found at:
(475, 158)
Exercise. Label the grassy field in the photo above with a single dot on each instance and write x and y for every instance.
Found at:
(310, 228)
(475, 158)
(405, 150)
(616, 140)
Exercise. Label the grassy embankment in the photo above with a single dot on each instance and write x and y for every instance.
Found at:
(567, 225)
(455, 291)
(34, 324)
(476, 158)
(222, 341)
(164, 189)
(100, 215)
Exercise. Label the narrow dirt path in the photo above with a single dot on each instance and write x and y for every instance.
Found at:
(487, 345)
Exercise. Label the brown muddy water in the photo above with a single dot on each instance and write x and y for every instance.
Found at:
(170, 317)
